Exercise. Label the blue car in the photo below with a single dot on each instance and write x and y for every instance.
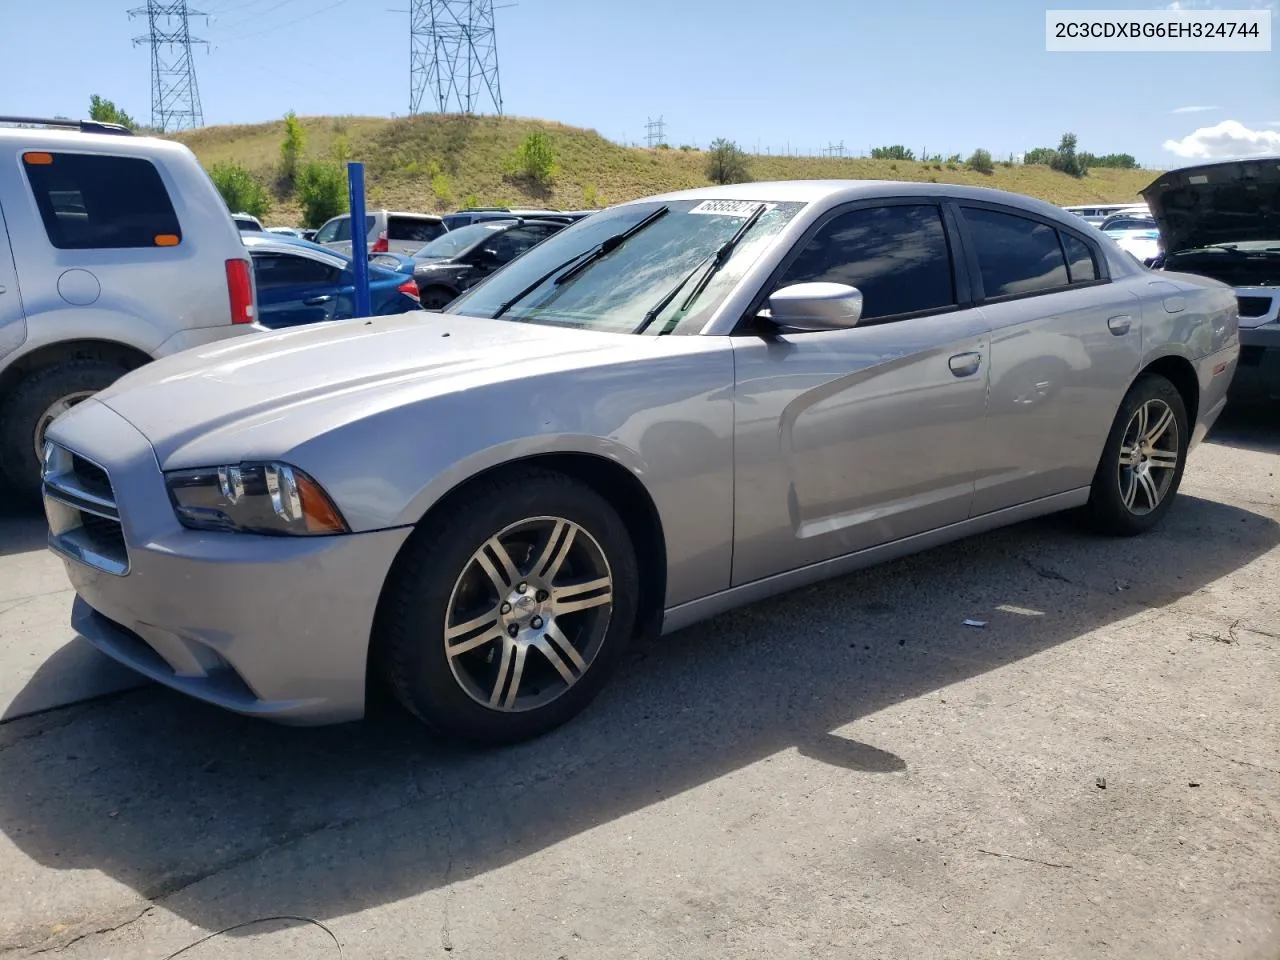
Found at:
(302, 282)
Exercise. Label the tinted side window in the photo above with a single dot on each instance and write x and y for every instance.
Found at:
(89, 201)
(897, 256)
(515, 242)
(413, 228)
(283, 270)
(1015, 255)
(1080, 262)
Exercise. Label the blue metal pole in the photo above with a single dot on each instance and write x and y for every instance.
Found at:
(359, 238)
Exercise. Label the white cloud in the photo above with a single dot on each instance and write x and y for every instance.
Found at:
(1230, 138)
(1191, 109)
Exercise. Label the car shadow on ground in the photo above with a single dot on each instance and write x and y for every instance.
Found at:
(22, 526)
(226, 819)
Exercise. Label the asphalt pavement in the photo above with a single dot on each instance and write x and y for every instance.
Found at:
(846, 771)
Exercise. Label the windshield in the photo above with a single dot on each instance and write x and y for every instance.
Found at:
(613, 293)
(463, 238)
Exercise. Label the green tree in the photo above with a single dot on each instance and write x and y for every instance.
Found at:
(241, 191)
(534, 158)
(981, 161)
(1065, 159)
(295, 141)
(322, 191)
(104, 111)
(895, 152)
(726, 162)
(1038, 155)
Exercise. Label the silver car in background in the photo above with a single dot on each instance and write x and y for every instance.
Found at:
(674, 407)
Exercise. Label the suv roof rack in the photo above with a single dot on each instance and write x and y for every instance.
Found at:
(84, 126)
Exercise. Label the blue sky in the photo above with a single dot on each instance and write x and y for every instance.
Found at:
(932, 74)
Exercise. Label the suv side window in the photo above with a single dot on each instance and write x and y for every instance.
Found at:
(897, 256)
(413, 229)
(329, 233)
(94, 202)
(1016, 256)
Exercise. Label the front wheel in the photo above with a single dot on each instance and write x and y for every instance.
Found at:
(437, 298)
(1141, 467)
(504, 617)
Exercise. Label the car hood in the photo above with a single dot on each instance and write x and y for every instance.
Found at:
(266, 393)
(1230, 202)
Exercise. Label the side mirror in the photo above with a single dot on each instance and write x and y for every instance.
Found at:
(816, 306)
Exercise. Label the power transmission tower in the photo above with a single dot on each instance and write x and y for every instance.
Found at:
(655, 132)
(453, 52)
(833, 149)
(175, 96)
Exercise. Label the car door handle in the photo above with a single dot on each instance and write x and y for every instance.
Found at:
(316, 301)
(965, 364)
(1119, 325)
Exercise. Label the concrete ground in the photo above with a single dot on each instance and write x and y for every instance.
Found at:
(847, 771)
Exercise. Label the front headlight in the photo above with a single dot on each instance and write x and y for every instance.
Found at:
(270, 498)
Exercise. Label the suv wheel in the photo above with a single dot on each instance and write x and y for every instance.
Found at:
(34, 404)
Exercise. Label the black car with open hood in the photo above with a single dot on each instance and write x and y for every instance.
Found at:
(1222, 220)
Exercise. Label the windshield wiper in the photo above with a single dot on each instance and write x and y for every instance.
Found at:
(584, 259)
(717, 260)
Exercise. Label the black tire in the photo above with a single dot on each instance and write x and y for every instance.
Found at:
(436, 298)
(1107, 508)
(26, 405)
(409, 637)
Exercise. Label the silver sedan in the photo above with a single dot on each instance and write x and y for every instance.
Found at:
(674, 407)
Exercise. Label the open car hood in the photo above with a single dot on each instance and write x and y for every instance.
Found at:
(1229, 202)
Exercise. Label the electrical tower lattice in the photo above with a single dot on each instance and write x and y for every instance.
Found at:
(453, 53)
(175, 96)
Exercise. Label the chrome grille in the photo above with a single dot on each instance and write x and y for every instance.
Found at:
(80, 505)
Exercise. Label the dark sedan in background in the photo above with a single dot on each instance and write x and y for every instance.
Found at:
(463, 257)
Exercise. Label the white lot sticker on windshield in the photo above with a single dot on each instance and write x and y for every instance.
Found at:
(729, 208)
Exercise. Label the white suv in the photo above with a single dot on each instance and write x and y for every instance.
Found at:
(387, 231)
(114, 250)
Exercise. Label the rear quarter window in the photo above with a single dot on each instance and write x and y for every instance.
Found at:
(97, 202)
(415, 229)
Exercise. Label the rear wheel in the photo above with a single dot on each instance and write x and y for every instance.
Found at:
(33, 405)
(503, 618)
(1141, 467)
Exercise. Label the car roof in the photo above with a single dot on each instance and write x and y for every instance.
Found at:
(283, 243)
(843, 191)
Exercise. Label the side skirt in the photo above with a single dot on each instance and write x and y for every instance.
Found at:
(677, 618)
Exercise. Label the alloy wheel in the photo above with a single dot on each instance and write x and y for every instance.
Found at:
(528, 614)
(1150, 450)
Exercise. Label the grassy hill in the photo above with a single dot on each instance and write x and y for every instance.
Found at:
(435, 163)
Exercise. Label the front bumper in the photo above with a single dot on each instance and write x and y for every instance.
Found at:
(276, 627)
(1258, 373)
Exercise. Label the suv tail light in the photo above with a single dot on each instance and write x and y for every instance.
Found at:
(380, 245)
(240, 290)
(410, 289)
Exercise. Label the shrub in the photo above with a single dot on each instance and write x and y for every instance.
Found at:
(1038, 155)
(664, 146)
(950, 165)
(591, 196)
(441, 187)
(726, 163)
(322, 191)
(241, 191)
(340, 149)
(1065, 160)
(470, 201)
(895, 152)
(295, 141)
(980, 160)
(686, 147)
(534, 158)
